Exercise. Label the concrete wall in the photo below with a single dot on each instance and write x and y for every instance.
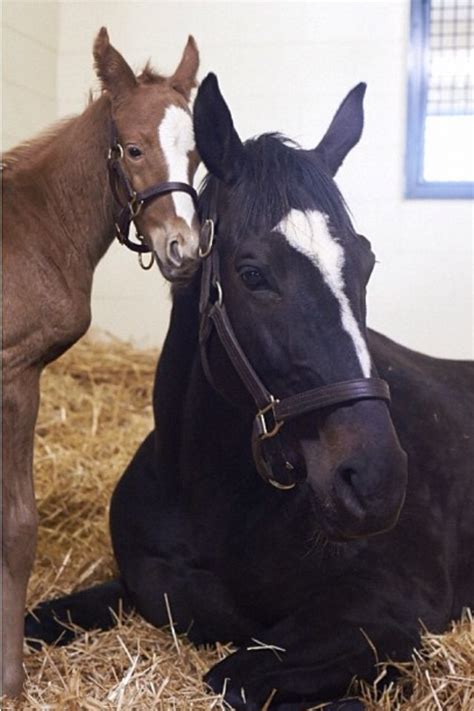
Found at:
(29, 63)
(286, 66)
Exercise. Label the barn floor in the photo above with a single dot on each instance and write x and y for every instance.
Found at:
(95, 410)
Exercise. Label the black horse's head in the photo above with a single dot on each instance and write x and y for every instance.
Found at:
(294, 275)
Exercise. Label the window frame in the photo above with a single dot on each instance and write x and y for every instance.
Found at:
(415, 185)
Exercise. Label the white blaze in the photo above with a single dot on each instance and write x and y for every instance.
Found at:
(308, 233)
(176, 137)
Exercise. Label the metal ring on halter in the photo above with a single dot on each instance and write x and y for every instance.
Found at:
(203, 253)
(220, 295)
(148, 266)
(282, 487)
(117, 147)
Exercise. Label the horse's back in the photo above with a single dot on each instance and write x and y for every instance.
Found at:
(432, 407)
(433, 412)
(436, 380)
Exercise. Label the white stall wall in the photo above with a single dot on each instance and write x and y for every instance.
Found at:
(286, 66)
(29, 62)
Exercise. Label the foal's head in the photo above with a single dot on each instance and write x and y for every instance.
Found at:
(154, 125)
(294, 274)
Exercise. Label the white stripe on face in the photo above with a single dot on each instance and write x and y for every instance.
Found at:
(176, 137)
(308, 233)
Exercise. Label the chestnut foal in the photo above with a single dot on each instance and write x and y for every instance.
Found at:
(61, 210)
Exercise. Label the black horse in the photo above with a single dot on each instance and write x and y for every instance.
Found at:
(368, 529)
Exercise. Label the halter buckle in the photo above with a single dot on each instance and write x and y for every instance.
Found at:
(267, 429)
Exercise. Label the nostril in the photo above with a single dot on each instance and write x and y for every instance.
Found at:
(175, 252)
(348, 489)
(349, 476)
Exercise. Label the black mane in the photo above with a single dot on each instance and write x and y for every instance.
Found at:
(277, 176)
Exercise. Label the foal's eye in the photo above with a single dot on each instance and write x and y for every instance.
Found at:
(134, 151)
(253, 278)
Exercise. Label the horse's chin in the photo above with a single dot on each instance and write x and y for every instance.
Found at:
(177, 275)
(338, 534)
(338, 527)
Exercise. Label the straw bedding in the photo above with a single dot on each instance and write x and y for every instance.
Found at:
(95, 410)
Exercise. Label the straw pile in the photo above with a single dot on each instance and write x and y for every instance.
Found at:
(95, 410)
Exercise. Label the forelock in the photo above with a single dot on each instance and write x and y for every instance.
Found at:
(149, 76)
(279, 176)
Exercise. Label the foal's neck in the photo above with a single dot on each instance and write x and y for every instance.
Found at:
(76, 185)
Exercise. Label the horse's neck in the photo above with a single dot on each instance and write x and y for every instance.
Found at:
(173, 372)
(75, 185)
(187, 409)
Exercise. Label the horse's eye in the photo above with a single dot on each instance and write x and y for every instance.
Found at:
(253, 278)
(134, 151)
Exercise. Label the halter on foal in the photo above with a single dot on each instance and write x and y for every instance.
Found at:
(119, 182)
(129, 157)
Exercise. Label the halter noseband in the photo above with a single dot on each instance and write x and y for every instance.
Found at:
(119, 181)
(272, 413)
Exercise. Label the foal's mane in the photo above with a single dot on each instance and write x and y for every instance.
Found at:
(29, 154)
(31, 149)
(279, 175)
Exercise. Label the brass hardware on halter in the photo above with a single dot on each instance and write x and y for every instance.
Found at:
(144, 266)
(115, 152)
(220, 295)
(135, 205)
(282, 487)
(266, 430)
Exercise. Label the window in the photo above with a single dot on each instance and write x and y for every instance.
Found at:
(440, 127)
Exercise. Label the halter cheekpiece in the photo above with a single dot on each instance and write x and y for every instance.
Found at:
(135, 201)
(272, 413)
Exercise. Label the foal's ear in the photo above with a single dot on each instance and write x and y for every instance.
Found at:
(112, 69)
(344, 131)
(217, 141)
(184, 78)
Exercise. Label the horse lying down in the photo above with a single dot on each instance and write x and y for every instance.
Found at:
(282, 497)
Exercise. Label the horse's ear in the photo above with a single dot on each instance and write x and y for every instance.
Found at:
(217, 141)
(112, 69)
(345, 130)
(184, 78)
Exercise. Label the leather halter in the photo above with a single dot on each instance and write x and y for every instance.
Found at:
(272, 413)
(120, 182)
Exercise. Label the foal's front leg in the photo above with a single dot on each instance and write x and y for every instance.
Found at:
(19, 518)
